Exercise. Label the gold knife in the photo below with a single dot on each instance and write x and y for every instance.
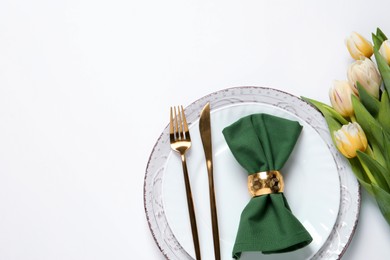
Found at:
(205, 133)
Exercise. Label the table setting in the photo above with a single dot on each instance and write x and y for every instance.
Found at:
(339, 192)
(194, 130)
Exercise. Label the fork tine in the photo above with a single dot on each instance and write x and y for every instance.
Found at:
(176, 126)
(171, 130)
(181, 129)
(187, 133)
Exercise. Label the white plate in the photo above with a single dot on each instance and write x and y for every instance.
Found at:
(320, 187)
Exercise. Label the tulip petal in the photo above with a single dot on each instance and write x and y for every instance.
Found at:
(366, 73)
(384, 50)
(353, 50)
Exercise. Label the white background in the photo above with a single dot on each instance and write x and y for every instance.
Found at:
(85, 89)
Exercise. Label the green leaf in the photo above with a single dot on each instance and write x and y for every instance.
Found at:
(378, 153)
(380, 144)
(384, 112)
(377, 171)
(379, 141)
(326, 110)
(360, 175)
(333, 119)
(377, 42)
(372, 129)
(386, 148)
(370, 126)
(333, 126)
(383, 199)
(378, 38)
(380, 35)
(369, 101)
(384, 69)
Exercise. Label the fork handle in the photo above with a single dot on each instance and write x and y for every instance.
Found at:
(191, 209)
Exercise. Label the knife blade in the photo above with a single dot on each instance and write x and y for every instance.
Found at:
(205, 134)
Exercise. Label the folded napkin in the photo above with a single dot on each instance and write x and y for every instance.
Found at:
(262, 142)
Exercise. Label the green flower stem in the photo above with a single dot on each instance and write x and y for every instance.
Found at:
(370, 153)
(369, 175)
(353, 118)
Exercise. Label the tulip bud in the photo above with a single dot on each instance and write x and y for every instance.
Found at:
(358, 46)
(366, 72)
(350, 138)
(340, 97)
(384, 50)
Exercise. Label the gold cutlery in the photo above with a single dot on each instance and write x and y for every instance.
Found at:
(180, 142)
(205, 133)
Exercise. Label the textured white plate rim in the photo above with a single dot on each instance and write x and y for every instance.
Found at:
(166, 241)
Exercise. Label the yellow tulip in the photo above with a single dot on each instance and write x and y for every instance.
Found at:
(340, 97)
(358, 46)
(349, 139)
(366, 72)
(384, 50)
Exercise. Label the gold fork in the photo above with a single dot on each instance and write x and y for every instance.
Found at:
(180, 142)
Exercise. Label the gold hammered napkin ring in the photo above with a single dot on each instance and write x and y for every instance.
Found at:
(266, 182)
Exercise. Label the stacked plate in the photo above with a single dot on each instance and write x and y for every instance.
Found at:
(319, 184)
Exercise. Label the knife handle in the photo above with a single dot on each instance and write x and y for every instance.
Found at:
(213, 209)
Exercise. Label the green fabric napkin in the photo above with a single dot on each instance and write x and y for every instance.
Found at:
(262, 142)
